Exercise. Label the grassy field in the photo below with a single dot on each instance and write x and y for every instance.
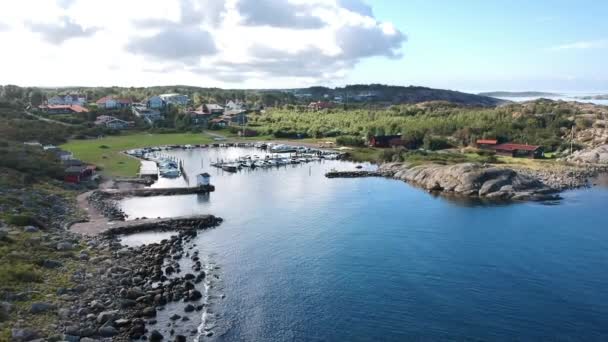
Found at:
(106, 152)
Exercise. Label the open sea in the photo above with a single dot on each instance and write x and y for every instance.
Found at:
(300, 257)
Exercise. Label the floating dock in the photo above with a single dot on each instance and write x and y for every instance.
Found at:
(148, 169)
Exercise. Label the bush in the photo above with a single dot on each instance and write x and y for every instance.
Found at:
(435, 143)
(20, 220)
(347, 140)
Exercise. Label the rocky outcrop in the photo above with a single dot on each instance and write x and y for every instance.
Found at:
(351, 174)
(598, 155)
(471, 179)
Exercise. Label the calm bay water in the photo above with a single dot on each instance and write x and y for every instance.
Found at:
(303, 257)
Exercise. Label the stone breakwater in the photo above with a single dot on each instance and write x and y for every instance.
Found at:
(472, 180)
(109, 208)
(352, 174)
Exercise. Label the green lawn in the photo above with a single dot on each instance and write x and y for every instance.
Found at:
(106, 152)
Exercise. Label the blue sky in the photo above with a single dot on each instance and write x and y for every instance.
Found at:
(487, 45)
(469, 45)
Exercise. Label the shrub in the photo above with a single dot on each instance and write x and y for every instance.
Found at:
(20, 273)
(20, 220)
(347, 140)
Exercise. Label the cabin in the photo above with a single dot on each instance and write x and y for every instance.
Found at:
(204, 179)
(486, 143)
(519, 150)
(235, 117)
(76, 174)
(385, 141)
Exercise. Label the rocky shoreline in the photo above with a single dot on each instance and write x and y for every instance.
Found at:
(116, 291)
(472, 180)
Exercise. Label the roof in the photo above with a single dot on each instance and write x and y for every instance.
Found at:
(487, 141)
(516, 147)
(75, 108)
(75, 169)
(111, 97)
(213, 106)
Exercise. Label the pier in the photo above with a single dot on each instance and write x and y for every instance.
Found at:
(163, 224)
(146, 192)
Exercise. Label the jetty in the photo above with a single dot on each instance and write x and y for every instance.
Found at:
(352, 174)
(147, 192)
(162, 224)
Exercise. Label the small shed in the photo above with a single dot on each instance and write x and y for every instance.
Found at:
(204, 179)
(385, 141)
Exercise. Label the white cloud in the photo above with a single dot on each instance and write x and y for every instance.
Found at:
(244, 43)
(582, 45)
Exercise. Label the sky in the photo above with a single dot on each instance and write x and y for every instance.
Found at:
(473, 45)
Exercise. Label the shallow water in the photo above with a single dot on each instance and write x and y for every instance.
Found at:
(302, 257)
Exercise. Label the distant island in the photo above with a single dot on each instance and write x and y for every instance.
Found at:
(517, 94)
(593, 97)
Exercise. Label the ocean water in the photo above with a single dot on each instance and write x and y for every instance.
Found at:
(563, 97)
(300, 257)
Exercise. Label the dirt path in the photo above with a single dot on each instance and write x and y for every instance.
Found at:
(47, 119)
(97, 222)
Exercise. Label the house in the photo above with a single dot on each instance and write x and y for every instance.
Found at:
(112, 122)
(319, 105)
(486, 143)
(63, 109)
(235, 105)
(147, 114)
(235, 117)
(76, 174)
(155, 102)
(218, 123)
(111, 102)
(68, 99)
(199, 118)
(519, 150)
(175, 99)
(385, 141)
(211, 109)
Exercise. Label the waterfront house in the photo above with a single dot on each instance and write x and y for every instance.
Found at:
(175, 99)
(62, 109)
(111, 102)
(385, 141)
(519, 150)
(486, 143)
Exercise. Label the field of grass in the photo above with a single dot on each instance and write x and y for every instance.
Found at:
(106, 152)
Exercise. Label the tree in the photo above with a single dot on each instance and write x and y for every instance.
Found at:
(36, 98)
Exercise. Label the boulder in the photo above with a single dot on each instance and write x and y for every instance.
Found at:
(65, 246)
(48, 263)
(107, 331)
(30, 229)
(40, 307)
(22, 335)
(106, 316)
(156, 336)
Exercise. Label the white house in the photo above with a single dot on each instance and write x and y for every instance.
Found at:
(68, 100)
(234, 105)
(175, 99)
(111, 102)
(155, 102)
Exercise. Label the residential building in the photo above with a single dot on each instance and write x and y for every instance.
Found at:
(218, 123)
(519, 150)
(112, 122)
(63, 109)
(155, 102)
(111, 102)
(78, 173)
(235, 105)
(486, 143)
(68, 99)
(211, 109)
(175, 99)
(385, 141)
(150, 115)
(235, 117)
